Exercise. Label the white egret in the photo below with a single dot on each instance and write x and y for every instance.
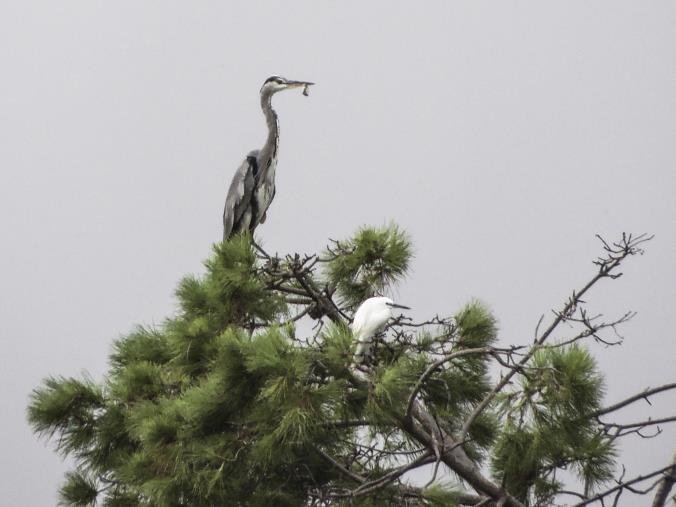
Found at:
(369, 319)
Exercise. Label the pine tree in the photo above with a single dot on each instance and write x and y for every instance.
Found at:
(247, 396)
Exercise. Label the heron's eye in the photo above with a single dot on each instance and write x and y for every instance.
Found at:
(274, 79)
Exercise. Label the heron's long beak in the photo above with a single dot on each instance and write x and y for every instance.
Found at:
(297, 84)
(395, 305)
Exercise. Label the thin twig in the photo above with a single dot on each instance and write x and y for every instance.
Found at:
(640, 396)
(623, 485)
(386, 479)
(629, 245)
(341, 468)
(641, 424)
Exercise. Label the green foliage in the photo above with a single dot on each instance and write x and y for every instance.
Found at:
(140, 380)
(67, 406)
(595, 459)
(476, 326)
(337, 348)
(116, 498)
(369, 263)
(142, 344)
(516, 460)
(568, 380)
(441, 495)
(562, 387)
(394, 382)
(78, 490)
(231, 292)
(224, 405)
(454, 388)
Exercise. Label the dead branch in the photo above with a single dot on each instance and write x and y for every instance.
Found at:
(625, 485)
(665, 485)
(627, 401)
(640, 424)
(615, 254)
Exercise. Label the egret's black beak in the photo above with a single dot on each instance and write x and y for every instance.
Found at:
(395, 305)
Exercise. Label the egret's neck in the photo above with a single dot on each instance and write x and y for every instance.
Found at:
(273, 126)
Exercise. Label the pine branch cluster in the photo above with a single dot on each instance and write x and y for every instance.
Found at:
(247, 396)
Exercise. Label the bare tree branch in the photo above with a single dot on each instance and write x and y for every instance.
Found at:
(640, 396)
(391, 476)
(640, 424)
(615, 254)
(347, 473)
(347, 424)
(665, 485)
(623, 485)
(422, 427)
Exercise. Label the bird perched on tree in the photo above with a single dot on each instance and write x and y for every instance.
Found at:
(369, 319)
(253, 186)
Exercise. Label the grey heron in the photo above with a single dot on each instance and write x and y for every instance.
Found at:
(369, 319)
(253, 185)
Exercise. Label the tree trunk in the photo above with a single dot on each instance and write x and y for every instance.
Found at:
(424, 428)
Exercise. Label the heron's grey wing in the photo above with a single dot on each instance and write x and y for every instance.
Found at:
(265, 213)
(238, 200)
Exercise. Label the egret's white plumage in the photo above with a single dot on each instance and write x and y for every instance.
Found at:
(369, 319)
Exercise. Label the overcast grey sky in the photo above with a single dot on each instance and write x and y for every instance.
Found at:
(501, 135)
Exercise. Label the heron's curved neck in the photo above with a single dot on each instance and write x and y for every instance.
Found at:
(273, 125)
